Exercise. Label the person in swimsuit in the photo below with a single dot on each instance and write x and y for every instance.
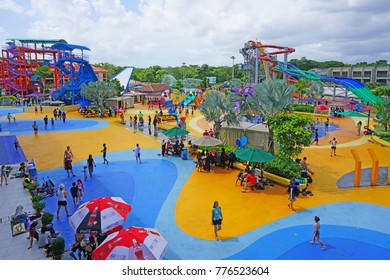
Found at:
(316, 232)
(216, 218)
(333, 144)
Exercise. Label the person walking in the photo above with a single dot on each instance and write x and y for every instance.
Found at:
(3, 175)
(46, 121)
(104, 151)
(35, 128)
(74, 191)
(316, 232)
(293, 192)
(16, 144)
(68, 158)
(62, 195)
(137, 153)
(333, 144)
(359, 127)
(216, 218)
(91, 164)
(315, 137)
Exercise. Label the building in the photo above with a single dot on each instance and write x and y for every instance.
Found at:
(364, 74)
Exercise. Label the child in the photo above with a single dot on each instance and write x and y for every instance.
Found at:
(85, 171)
(80, 187)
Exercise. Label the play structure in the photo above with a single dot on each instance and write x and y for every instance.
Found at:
(20, 59)
(124, 78)
(68, 63)
(267, 54)
(75, 71)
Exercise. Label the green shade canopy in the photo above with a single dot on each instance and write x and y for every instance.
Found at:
(175, 131)
(353, 114)
(254, 155)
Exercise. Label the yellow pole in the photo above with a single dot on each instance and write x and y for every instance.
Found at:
(375, 167)
(358, 168)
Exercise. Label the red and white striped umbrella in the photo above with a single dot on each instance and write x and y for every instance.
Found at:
(101, 215)
(134, 243)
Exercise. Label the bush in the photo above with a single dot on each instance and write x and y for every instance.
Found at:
(36, 198)
(284, 167)
(58, 247)
(303, 108)
(47, 218)
(39, 205)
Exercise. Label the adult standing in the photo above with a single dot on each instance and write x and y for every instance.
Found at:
(137, 153)
(316, 232)
(216, 218)
(9, 117)
(3, 175)
(46, 121)
(163, 148)
(293, 190)
(333, 144)
(35, 128)
(104, 151)
(315, 137)
(91, 164)
(74, 192)
(359, 127)
(62, 195)
(68, 158)
(63, 116)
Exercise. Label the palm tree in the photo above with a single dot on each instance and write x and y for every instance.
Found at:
(217, 107)
(316, 89)
(383, 110)
(98, 91)
(301, 87)
(271, 98)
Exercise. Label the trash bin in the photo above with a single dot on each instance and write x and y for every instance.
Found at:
(184, 154)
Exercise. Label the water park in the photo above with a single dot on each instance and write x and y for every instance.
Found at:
(136, 180)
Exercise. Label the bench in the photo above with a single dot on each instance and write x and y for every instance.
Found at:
(279, 180)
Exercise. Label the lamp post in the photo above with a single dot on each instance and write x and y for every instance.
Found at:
(233, 58)
(184, 64)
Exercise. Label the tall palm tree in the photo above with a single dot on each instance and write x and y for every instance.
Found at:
(316, 89)
(383, 110)
(217, 107)
(271, 98)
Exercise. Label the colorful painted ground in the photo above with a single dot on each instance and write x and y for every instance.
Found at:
(170, 195)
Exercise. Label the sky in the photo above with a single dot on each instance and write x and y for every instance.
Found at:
(143, 33)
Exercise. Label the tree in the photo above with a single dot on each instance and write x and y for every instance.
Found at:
(43, 72)
(112, 69)
(98, 91)
(383, 110)
(301, 87)
(291, 133)
(218, 108)
(382, 91)
(316, 89)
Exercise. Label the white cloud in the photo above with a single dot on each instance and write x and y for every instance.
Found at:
(169, 32)
(11, 6)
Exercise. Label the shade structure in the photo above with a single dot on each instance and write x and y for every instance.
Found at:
(207, 141)
(134, 243)
(175, 131)
(254, 155)
(101, 215)
(353, 114)
(84, 103)
(37, 94)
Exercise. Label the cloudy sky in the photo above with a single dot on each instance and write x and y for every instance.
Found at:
(144, 33)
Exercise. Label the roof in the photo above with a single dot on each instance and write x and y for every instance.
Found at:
(99, 69)
(37, 40)
(153, 88)
(68, 47)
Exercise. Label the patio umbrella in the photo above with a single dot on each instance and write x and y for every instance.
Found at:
(207, 141)
(175, 131)
(134, 243)
(321, 108)
(101, 215)
(254, 155)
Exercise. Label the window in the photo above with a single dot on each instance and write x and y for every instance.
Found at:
(367, 73)
(357, 74)
(381, 74)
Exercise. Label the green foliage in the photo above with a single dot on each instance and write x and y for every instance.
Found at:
(291, 133)
(217, 107)
(382, 91)
(58, 247)
(98, 91)
(284, 167)
(301, 86)
(43, 72)
(112, 69)
(47, 218)
(36, 198)
(32, 187)
(39, 205)
(383, 110)
(303, 108)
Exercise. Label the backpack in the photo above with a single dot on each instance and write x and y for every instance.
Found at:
(296, 191)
